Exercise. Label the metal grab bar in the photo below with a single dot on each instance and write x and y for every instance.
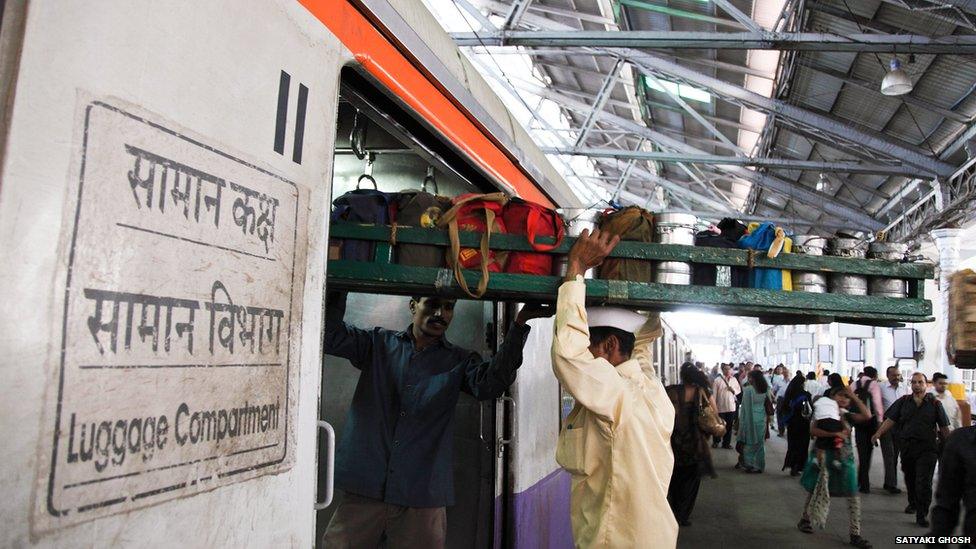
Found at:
(502, 441)
(329, 466)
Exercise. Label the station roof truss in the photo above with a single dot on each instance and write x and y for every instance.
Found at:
(761, 109)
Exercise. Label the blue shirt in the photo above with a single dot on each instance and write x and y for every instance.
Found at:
(398, 442)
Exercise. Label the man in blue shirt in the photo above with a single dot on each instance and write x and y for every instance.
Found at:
(394, 459)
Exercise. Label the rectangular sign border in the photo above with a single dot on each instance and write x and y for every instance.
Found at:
(64, 326)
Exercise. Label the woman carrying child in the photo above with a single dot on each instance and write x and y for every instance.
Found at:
(831, 470)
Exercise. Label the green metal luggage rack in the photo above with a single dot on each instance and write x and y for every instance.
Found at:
(771, 306)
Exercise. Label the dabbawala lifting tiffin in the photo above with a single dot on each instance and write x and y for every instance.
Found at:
(616, 441)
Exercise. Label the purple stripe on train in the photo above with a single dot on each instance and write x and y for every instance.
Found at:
(540, 515)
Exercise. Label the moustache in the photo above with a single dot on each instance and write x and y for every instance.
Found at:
(437, 320)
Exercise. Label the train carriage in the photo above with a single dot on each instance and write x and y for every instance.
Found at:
(158, 194)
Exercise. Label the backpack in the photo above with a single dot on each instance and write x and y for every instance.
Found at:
(477, 213)
(704, 274)
(631, 224)
(419, 208)
(532, 220)
(806, 409)
(861, 391)
(365, 206)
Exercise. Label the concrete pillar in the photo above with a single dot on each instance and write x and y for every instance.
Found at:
(947, 243)
(879, 349)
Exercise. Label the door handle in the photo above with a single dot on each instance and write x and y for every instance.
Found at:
(502, 441)
(329, 465)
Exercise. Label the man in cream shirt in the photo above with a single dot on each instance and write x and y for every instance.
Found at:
(940, 386)
(617, 440)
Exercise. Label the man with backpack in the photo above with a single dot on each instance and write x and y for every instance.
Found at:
(868, 390)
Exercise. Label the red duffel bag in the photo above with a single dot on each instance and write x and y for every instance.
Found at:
(532, 220)
(477, 213)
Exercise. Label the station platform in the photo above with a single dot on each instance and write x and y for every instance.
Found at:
(738, 510)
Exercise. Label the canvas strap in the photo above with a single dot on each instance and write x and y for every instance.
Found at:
(450, 219)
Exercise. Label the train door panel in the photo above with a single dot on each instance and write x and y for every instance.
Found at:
(400, 155)
(473, 465)
(107, 108)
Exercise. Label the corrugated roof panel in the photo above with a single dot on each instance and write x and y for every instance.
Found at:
(789, 144)
(913, 21)
(824, 151)
(839, 61)
(864, 8)
(814, 89)
(646, 20)
(820, 21)
(944, 135)
(864, 108)
(947, 80)
(913, 125)
(967, 107)
(774, 200)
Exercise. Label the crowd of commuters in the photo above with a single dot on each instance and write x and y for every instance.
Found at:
(832, 426)
(624, 421)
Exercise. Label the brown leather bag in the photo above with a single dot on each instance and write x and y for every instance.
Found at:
(708, 419)
(419, 208)
(631, 224)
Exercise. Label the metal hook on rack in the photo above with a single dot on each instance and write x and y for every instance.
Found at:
(357, 137)
(430, 178)
(368, 171)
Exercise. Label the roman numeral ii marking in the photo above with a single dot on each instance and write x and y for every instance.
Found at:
(281, 121)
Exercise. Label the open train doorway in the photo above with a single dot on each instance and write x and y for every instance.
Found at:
(380, 145)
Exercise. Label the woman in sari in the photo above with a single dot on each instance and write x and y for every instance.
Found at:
(796, 417)
(833, 472)
(692, 456)
(754, 422)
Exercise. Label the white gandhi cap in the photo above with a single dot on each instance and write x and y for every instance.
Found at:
(614, 317)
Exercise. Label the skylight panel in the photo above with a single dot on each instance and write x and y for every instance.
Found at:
(683, 90)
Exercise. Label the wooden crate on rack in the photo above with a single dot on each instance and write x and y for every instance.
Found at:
(961, 344)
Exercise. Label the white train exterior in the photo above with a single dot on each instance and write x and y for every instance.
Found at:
(133, 415)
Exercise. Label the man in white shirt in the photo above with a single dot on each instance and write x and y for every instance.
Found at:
(781, 393)
(940, 385)
(891, 391)
(725, 389)
(812, 386)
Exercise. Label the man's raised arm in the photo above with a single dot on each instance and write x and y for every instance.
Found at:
(341, 339)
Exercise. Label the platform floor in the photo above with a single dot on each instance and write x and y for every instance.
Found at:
(737, 510)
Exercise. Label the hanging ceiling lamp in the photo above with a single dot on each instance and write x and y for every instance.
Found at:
(822, 183)
(896, 82)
